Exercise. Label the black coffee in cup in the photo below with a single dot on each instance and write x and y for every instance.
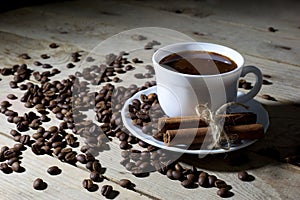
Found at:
(198, 63)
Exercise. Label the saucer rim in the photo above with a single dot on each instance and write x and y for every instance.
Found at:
(137, 132)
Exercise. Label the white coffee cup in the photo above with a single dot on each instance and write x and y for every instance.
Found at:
(180, 93)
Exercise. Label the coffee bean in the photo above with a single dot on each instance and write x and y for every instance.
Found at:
(39, 184)
(81, 158)
(266, 82)
(54, 170)
(211, 180)
(25, 56)
(12, 160)
(96, 176)
(5, 104)
(19, 147)
(191, 177)
(203, 180)
(13, 84)
(125, 183)
(11, 96)
(45, 56)
(16, 167)
(128, 67)
(25, 139)
(70, 65)
(176, 174)
(187, 183)
(37, 63)
(5, 168)
(244, 176)
(14, 133)
(247, 86)
(89, 59)
(124, 145)
(71, 157)
(87, 184)
(10, 153)
(272, 29)
(106, 190)
(22, 126)
(223, 192)
(220, 184)
(53, 45)
(139, 76)
(6, 71)
(96, 166)
(116, 79)
(268, 97)
(46, 66)
(170, 174)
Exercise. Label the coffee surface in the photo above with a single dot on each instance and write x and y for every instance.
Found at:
(198, 63)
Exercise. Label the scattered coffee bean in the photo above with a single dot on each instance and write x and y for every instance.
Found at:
(87, 184)
(25, 56)
(125, 183)
(70, 65)
(266, 82)
(139, 75)
(81, 158)
(37, 63)
(45, 56)
(267, 76)
(25, 139)
(106, 190)
(39, 184)
(46, 66)
(211, 180)
(13, 84)
(89, 59)
(116, 79)
(272, 29)
(220, 183)
(12, 160)
(5, 168)
(136, 60)
(5, 104)
(128, 67)
(187, 183)
(11, 96)
(54, 170)
(96, 176)
(53, 45)
(247, 86)
(16, 167)
(224, 192)
(268, 97)
(14, 133)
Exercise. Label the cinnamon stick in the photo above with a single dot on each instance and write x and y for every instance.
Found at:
(197, 135)
(166, 123)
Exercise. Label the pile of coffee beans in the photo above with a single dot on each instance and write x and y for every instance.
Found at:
(67, 99)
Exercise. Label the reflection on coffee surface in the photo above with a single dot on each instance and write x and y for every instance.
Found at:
(198, 63)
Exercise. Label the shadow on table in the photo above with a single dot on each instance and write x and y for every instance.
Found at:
(14, 4)
(281, 142)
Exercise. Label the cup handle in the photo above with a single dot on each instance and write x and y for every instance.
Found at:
(258, 83)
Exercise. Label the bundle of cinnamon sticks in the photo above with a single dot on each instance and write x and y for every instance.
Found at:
(192, 130)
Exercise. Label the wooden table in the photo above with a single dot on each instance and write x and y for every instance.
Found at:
(82, 25)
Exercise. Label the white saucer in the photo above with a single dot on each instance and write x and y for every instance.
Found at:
(254, 106)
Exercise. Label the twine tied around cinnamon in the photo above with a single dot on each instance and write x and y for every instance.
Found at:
(218, 133)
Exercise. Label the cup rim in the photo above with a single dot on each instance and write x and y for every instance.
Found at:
(199, 76)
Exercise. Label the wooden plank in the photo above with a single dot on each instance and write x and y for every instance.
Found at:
(270, 175)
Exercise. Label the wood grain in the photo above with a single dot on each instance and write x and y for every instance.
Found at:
(75, 28)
